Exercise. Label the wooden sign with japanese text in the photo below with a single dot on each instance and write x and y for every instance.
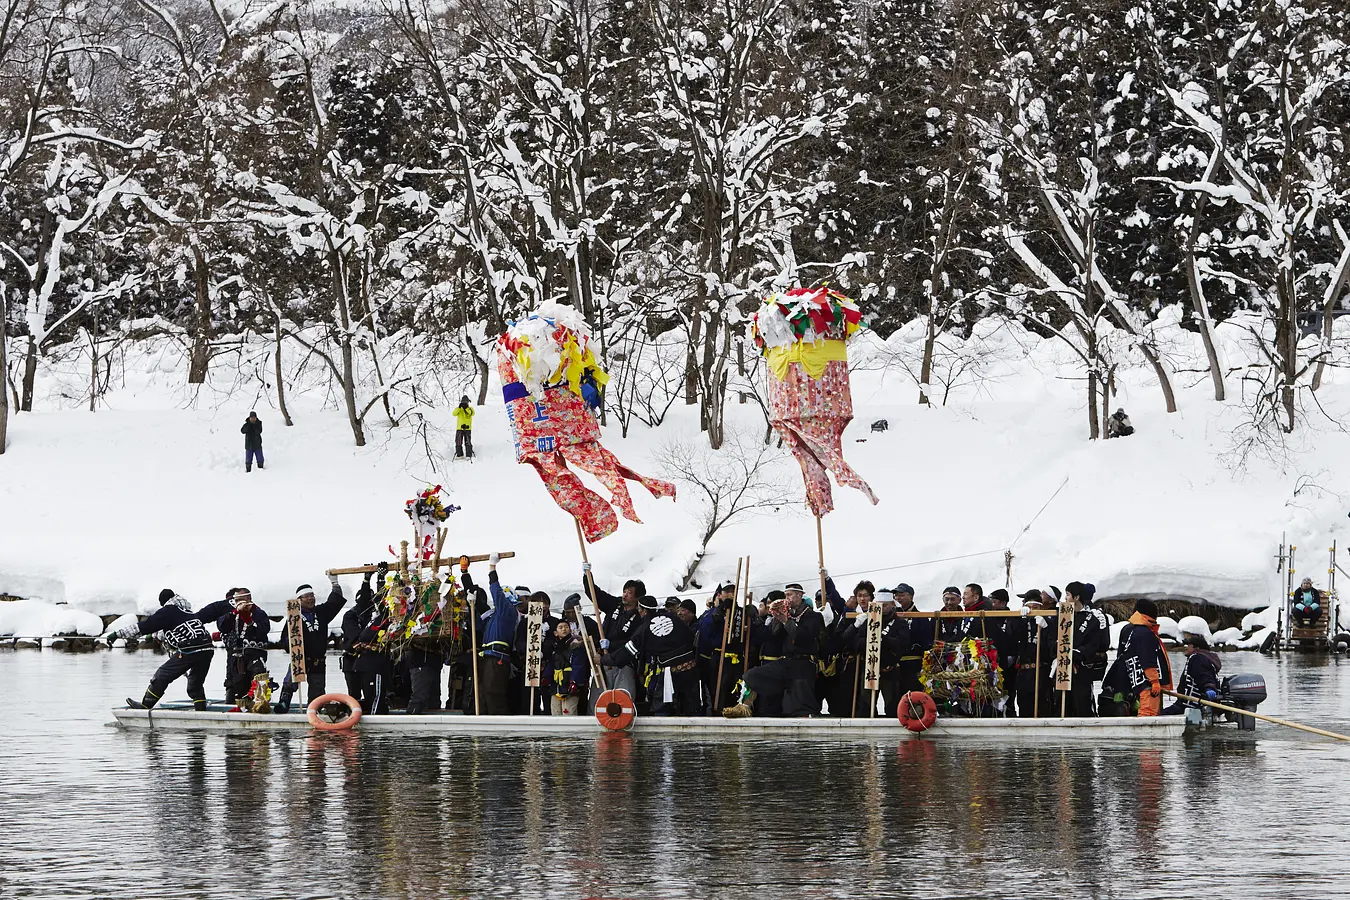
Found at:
(872, 658)
(534, 644)
(1064, 648)
(295, 631)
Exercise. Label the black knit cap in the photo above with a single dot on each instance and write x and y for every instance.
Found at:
(165, 596)
(689, 605)
(1147, 607)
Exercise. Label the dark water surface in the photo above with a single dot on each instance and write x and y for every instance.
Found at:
(92, 811)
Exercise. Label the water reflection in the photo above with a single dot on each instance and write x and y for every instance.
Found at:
(178, 814)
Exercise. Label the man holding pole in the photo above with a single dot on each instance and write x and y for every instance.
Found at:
(721, 641)
(1135, 682)
(499, 631)
(622, 619)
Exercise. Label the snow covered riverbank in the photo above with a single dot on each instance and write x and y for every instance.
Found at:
(101, 510)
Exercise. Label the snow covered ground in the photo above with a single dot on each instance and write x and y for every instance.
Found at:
(101, 510)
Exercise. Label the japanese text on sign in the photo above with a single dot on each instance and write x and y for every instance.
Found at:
(534, 644)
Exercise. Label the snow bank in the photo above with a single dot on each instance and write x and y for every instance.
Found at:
(37, 618)
(163, 501)
(1195, 625)
(1262, 618)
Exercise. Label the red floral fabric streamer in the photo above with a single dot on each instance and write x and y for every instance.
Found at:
(557, 428)
(810, 415)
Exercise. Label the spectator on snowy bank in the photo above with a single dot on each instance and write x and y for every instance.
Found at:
(464, 429)
(1119, 425)
(252, 432)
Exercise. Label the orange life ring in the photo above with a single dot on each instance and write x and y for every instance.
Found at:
(917, 711)
(353, 712)
(614, 710)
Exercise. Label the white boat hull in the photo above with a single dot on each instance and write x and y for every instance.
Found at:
(1161, 728)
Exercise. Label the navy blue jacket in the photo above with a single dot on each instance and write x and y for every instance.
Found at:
(183, 631)
(499, 628)
(920, 638)
(620, 623)
(240, 634)
(315, 622)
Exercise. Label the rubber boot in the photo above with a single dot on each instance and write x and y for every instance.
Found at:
(248, 467)
(147, 702)
(199, 705)
(283, 704)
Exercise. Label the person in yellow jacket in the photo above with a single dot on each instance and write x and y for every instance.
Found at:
(464, 429)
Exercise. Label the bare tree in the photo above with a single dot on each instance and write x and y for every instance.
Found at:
(741, 477)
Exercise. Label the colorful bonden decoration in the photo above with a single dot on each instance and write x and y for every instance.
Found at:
(541, 361)
(963, 675)
(803, 335)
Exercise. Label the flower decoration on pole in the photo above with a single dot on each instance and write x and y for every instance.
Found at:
(803, 336)
(427, 512)
(543, 361)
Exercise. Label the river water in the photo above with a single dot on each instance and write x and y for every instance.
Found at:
(88, 810)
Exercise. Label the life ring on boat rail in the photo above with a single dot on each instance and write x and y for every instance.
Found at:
(917, 711)
(614, 710)
(322, 702)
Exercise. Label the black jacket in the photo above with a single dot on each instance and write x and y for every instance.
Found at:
(240, 635)
(1201, 674)
(1091, 639)
(662, 638)
(797, 638)
(895, 640)
(620, 624)
(252, 432)
(316, 623)
(182, 630)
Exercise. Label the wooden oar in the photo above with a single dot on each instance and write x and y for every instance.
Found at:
(1255, 715)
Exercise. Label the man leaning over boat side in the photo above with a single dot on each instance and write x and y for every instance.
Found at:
(621, 621)
(1134, 684)
(188, 641)
(667, 643)
(793, 636)
(314, 622)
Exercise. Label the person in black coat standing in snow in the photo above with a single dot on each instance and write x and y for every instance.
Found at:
(252, 432)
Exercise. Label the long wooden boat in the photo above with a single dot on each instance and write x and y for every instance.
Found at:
(1068, 730)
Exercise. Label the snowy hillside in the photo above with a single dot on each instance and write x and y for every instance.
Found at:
(103, 509)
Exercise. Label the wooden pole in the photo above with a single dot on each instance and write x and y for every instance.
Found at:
(473, 637)
(726, 638)
(592, 653)
(1036, 691)
(1255, 715)
(749, 611)
(820, 554)
(361, 570)
(857, 673)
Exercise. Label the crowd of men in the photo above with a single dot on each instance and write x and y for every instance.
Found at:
(782, 656)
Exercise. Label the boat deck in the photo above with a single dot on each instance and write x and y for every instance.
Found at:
(1162, 728)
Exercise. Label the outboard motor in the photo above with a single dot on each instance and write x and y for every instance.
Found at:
(1246, 692)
